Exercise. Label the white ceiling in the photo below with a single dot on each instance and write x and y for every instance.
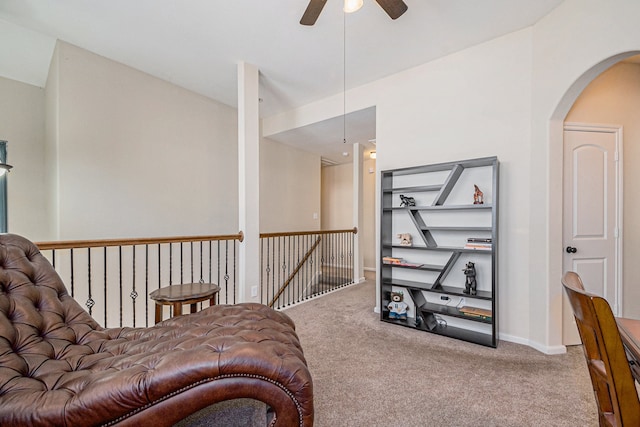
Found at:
(197, 44)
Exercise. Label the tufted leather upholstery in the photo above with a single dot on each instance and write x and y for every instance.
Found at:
(58, 367)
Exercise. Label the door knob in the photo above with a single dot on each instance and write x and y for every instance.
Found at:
(571, 250)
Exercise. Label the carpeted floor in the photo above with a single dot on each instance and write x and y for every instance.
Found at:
(370, 373)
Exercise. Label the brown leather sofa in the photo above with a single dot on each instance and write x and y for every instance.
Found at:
(58, 367)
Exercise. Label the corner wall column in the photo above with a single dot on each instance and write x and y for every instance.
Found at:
(249, 182)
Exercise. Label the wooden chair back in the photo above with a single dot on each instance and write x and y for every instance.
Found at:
(613, 384)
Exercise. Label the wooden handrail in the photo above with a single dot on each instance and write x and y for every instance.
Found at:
(353, 230)
(292, 275)
(70, 244)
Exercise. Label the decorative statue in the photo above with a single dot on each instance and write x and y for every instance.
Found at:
(405, 239)
(478, 196)
(407, 201)
(470, 284)
(397, 307)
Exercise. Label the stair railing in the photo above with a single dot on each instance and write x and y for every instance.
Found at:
(111, 276)
(296, 266)
(290, 279)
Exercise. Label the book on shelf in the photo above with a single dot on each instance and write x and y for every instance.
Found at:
(480, 243)
(410, 264)
(482, 313)
(478, 246)
(389, 260)
(479, 240)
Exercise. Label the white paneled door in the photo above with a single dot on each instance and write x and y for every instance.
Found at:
(591, 210)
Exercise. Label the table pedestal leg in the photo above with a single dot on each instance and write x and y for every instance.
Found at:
(194, 307)
(177, 309)
(212, 301)
(158, 312)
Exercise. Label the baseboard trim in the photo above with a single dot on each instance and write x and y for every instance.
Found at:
(550, 350)
(318, 296)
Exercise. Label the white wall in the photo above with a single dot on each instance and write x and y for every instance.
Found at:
(367, 229)
(138, 156)
(474, 103)
(614, 98)
(337, 205)
(22, 125)
(51, 148)
(289, 188)
(107, 151)
(337, 197)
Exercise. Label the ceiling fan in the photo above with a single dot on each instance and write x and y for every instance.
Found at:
(394, 8)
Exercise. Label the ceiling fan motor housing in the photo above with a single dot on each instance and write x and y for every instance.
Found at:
(394, 8)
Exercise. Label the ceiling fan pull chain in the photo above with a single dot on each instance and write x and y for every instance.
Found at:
(344, 78)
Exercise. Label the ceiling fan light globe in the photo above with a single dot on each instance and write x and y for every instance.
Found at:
(351, 6)
(4, 168)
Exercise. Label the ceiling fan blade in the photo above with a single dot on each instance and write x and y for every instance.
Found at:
(313, 11)
(394, 8)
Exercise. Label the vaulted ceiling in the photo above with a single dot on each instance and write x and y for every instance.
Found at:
(196, 44)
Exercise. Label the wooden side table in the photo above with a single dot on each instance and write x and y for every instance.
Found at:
(187, 293)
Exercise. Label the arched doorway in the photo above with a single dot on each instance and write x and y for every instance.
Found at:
(556, 136)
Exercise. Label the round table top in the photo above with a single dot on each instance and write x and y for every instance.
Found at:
(184, 292)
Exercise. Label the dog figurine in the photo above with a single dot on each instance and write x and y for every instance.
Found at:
(407, 201)
(405, 239)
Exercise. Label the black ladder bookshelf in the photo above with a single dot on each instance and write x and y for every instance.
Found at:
(442, 222)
